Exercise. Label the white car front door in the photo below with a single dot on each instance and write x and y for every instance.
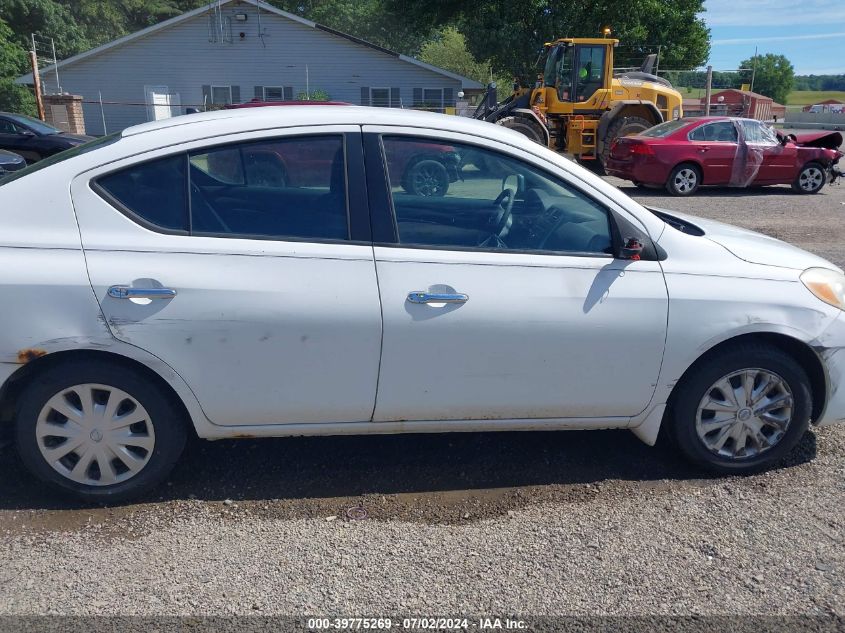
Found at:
(237, 265)
(501, 298)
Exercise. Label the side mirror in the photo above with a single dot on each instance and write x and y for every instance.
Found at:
(631, 249)
(514, 182)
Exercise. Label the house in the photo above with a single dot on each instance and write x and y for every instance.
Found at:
(232, 51)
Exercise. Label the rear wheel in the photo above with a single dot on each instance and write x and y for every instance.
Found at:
(741, 411)
(622, 126)
(810, 179)
(684, 180)
(427, 178)
(98, 430)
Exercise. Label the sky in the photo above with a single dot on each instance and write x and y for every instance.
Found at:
(810, 33)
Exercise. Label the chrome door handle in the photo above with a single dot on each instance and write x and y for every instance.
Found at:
(127, 292)
(437, 297)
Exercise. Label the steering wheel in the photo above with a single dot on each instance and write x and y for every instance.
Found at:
(504, 201)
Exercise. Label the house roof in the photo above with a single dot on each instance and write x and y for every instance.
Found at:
(466, 82)
(746, 93)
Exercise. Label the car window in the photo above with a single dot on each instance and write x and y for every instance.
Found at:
(7, 127)
(23, 121)
(757, 133)
(665, 129)
(294, 187)
(450, 195)
(720, 132)
(153, 191)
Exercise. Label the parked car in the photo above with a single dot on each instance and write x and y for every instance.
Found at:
(428, 171)
(148, 298)
(34, 139)
(10, 162)
(684, 154)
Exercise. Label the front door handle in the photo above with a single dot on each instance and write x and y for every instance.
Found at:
(437, 297)
(127, 292)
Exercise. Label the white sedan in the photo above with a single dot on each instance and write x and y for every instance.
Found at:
(263, 272)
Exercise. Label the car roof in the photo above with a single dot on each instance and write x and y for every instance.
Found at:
(248, 119)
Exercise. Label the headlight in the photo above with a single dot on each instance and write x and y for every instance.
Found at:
(827, 285)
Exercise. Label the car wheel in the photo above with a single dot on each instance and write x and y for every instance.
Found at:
(684, 180)
(426, 178)
(98, 430)
(810, 179)
(741, 411)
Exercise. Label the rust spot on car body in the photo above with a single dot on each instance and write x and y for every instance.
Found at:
(30, 354)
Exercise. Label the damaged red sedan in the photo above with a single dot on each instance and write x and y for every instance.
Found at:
(684, 154)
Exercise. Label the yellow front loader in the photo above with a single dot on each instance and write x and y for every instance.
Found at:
(579, 106)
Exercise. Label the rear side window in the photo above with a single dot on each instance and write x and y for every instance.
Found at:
(279, 188)
(154, 191)
(720, 132)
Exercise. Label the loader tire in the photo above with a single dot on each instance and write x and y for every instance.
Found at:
(525, 126)
(622, 126)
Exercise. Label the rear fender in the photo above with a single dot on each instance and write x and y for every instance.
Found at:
(627, 107)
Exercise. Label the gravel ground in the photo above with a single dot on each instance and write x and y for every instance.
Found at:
(530, 523)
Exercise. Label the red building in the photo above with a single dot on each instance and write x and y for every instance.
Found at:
(744, 103)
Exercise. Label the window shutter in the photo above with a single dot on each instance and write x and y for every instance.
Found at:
(236, 94)
(288, 93)
(395, 99)
(365, 96)
(417, 97)
(206, 96)
(448, 98)
(259, 92)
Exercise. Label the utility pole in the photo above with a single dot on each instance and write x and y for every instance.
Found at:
(36, 80)
(707, 89)
(753, 70)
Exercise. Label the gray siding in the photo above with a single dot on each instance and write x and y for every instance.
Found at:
(182, 58)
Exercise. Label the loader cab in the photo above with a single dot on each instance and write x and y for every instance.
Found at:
(576, 69)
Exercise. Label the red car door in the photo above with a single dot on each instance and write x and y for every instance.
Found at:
(714, 146)
(766, 158)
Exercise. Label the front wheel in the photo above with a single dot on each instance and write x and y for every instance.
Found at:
(741, 411)
(100, 431)
(810, 179)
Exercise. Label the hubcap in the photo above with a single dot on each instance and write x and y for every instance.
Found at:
(95, 434)
(811, 179)
(427, 181)
(685, 180)
(744, 413)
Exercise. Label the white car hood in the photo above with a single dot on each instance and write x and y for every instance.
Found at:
(754, 247)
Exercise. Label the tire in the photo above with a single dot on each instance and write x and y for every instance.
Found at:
(811, 179)
(622, 126)
(427, 178)
(152, 445)
(525, 126)
(684, 180)
(689, 416)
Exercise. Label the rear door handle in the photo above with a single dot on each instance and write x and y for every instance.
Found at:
(437, 297)
(704, 149)
(127, 292)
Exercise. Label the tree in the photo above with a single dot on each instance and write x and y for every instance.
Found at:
(13, 58)
(511, 34)
(15, 98)
(773, 75)
(448, 50)
(46, 18)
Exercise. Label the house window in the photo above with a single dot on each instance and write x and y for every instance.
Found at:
(274, 93)
(380, 97)
(221, 95)
(433, 99)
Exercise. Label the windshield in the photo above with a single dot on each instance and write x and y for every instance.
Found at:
(665, 129)
(33, 124)
(61, 157)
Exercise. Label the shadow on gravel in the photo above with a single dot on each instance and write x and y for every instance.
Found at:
(444, 465)
(713, 192)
